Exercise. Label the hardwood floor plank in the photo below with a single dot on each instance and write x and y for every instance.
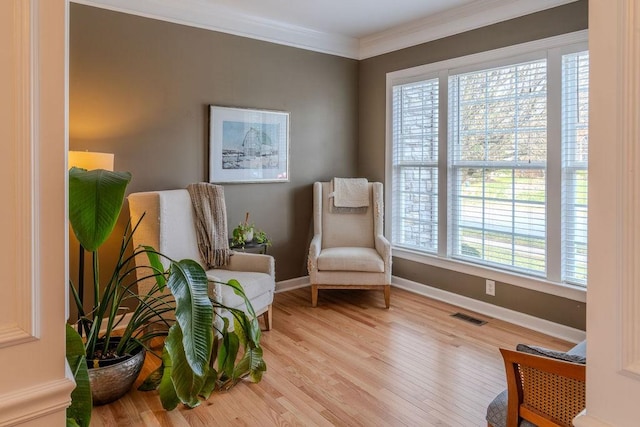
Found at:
(351, 362)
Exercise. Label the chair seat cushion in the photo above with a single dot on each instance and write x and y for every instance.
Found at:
(350, 259)
(254, 285)
(574, 357)
(579, 349)
(497, 412)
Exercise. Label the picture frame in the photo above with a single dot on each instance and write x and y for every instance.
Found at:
(248, 145)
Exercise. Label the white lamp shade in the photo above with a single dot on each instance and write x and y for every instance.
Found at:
(91, 160)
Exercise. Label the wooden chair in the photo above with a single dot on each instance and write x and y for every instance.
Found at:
(544, 391)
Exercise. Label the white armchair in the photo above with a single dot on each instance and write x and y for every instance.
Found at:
(348, 250)
(168, 226)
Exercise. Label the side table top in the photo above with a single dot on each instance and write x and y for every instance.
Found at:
(252, 246)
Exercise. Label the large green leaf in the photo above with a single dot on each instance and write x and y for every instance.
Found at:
(252, 327)
(152, 382)
(156, 264)
(248, 329)
(194, 312)
(227, 351)
(239, 290)
(186, 382)
(166, 389)
(240, 326)
(81, 401)
(209, 384)
(95, 201)
(252, 364)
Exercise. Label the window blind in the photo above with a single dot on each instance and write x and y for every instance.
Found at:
(575, 139)
(513, 163)
(415, 165)
(497, 143)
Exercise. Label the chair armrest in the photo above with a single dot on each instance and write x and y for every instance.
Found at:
(258, 263)
(383, 247)
(314, 252)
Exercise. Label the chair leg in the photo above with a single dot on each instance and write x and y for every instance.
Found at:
(314, 295)
(387, 295)
(268, 318)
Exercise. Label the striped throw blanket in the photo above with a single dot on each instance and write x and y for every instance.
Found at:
(210, 216)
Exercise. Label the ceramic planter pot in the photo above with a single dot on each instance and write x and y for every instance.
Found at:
(248, 235)
(109, 383)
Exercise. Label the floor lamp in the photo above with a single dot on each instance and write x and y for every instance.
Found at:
(89, 161)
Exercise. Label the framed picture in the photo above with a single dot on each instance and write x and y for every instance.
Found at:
(248, 145)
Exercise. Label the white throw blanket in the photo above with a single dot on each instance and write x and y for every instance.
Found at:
(350, 192)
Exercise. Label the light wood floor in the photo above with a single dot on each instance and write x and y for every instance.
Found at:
(351, 362)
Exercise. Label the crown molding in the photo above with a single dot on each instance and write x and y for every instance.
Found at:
(453, 21)
(207, 15)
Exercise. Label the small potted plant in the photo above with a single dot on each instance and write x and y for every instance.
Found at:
(246, 233)
(243, 233)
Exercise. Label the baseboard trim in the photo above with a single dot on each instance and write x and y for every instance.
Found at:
(291, 284)
(35, 402)
(541, 325)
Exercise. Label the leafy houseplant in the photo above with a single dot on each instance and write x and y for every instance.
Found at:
(245, 233)
(79, 413)
(180, 292)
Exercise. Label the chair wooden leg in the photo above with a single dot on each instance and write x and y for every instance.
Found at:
(268, 318)
(387, 295)
(314, 295)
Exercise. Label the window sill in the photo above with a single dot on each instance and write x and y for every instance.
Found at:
(575, 293)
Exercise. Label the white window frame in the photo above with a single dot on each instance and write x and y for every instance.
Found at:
(552, 48)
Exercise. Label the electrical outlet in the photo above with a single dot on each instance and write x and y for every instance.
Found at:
(491, 288)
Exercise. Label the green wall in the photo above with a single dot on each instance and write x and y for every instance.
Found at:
(371, 151)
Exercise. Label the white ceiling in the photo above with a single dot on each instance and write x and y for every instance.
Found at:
(352, 28)
(350, 18)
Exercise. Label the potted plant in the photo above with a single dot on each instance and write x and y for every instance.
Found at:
(178, 300)
(245, 233)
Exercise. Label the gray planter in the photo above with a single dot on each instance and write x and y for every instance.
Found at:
(111, 382)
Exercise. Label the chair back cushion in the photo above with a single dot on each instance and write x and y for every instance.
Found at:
(167, 224)
(345, 229)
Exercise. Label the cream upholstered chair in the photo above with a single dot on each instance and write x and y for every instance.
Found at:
(348, 250)
(168, 226)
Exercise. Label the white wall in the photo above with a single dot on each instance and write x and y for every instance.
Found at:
(613, 300)
(33, 387)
